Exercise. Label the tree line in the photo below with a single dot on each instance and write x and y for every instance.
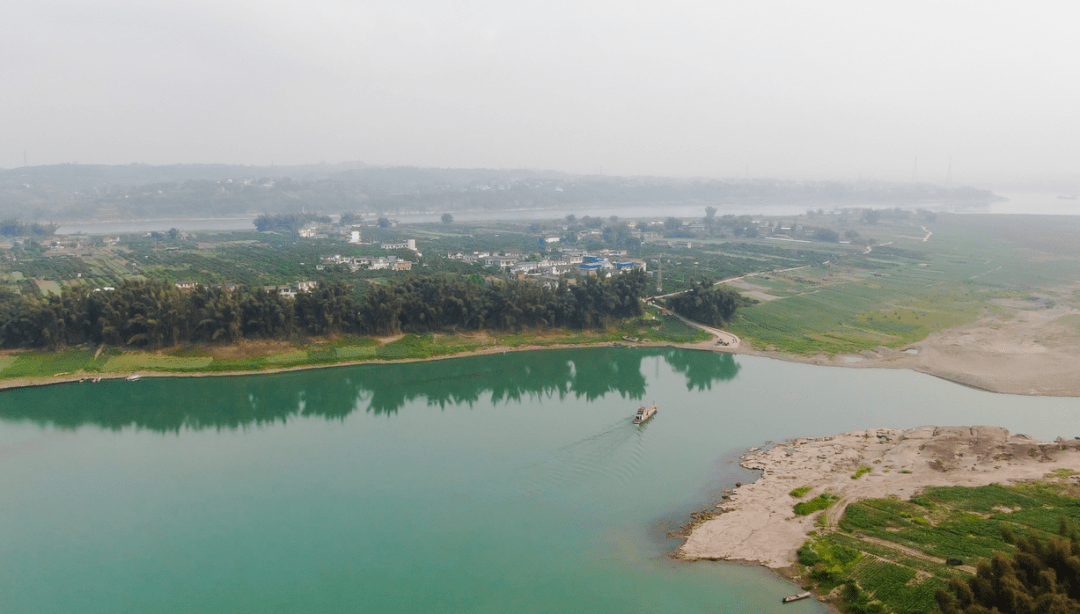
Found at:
(1040, 577)
(153, 314)
(287, 222)
(13, 227)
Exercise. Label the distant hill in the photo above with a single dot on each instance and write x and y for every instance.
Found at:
(76, 191)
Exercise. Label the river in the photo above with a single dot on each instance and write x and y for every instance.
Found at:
(505, 483)
(1013, 203)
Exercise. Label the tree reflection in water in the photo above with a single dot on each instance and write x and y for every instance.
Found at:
(171, 404)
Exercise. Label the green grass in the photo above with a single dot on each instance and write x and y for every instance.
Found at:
(674, 330)
(800, 491)
(861, 471)
(818, 503)
(1072, 321)
(48, 287)
(30, 364)
(126, 363)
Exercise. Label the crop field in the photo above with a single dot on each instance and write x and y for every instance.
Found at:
(894, 551)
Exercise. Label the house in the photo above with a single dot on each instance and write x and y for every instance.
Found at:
(187, 285)
(284, 291)
(354, 236)
(407, 244)
(630, 264)
(305, 286)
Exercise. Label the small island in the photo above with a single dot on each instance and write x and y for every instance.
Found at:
(930, 501)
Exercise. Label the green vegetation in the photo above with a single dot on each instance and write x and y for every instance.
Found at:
(1040, 576)
(818, 503)
(287, 222)
(904, 545)
(894, 295)
(304, 353)
(886, 287)
(861, 471)
(800, 491)
(155, 315)
(706, 303)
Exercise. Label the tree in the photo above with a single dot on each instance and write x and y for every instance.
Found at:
(1040, 576)
(826, 234)
(383, 222)
(710, 217)
(447, 218)
(707, 303)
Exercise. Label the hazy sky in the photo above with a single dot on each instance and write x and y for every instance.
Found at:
(808, 89)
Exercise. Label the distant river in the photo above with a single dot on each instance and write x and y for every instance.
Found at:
(493, 484)
(1044, 204)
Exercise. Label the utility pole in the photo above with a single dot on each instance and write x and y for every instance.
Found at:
(660, 274)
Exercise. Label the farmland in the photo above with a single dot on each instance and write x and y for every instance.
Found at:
(891, 553)
(899, 293)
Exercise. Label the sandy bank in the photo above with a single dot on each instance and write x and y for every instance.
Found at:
(758, 522)
(1032, 351)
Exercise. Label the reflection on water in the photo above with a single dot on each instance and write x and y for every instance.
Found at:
(168, 405)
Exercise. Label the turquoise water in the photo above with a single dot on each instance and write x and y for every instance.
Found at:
(508, 483)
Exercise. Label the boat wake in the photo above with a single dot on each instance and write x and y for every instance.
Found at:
(613, 455)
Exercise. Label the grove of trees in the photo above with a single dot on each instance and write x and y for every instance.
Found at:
(1040, 577)
(707, 303)
(151, 314)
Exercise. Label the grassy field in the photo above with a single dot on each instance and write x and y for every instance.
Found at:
(905, 288)
(254, 357)
(889, 555)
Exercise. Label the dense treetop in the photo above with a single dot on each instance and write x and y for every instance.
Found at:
(151, 314)
(707, 303)
(1040, 577)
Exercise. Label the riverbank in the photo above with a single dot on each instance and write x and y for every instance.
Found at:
(758, 521)
(20, 369)
(1030, 354)
(1030, 351)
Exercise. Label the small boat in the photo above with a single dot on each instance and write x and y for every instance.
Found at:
(802, 595)
(644, 413)
(133, 378)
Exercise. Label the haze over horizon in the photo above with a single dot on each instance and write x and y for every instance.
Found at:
(832, 90)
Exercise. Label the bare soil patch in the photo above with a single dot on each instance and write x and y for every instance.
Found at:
(249, 349)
